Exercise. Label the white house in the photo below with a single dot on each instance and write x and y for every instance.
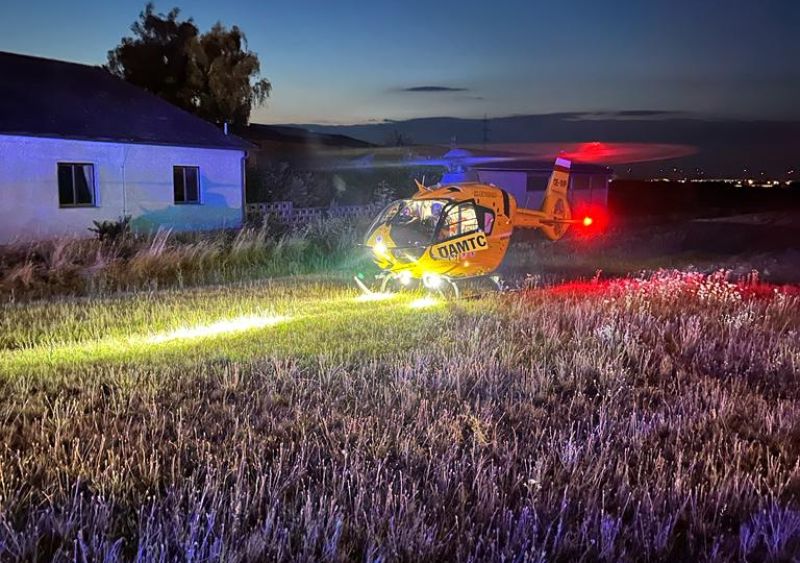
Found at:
(79, 145)
(527, 181)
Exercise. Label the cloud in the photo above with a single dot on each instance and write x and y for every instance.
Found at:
(622, 115)
(645, 113)
(415, 89)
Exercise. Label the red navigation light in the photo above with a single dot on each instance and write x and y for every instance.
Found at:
(591, 219)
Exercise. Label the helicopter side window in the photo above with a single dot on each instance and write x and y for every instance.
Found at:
(488, 219)
(410, 222)
(389, 211)
(465, 218)
(386, 215)
(460, 220)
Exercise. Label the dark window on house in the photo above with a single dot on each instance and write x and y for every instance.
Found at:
(186, 183)
(581, 182)
(536, 182)
(75, 184)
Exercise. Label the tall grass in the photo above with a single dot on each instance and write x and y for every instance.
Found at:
(628, 247)
(165, 259)
(640, 419)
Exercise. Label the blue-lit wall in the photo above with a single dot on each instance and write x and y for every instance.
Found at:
(130, 179)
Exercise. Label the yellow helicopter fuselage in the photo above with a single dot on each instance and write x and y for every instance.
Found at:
(456, 248)
(461, 230)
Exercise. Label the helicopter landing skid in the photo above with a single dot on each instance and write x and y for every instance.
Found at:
(476, 286)
(362, 286)
(443, 286)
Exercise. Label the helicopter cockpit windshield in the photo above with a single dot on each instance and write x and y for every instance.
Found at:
(411, 222)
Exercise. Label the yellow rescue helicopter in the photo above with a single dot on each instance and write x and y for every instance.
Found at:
(459, 231)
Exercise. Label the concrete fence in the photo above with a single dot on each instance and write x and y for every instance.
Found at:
(286, 211)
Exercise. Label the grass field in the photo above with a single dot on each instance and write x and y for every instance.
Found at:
(290, 420)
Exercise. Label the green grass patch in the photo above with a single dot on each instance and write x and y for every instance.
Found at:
(230, 324)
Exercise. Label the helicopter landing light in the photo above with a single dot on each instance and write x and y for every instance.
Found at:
(432, 281)
(366, 297)
(424, 302)
(379, 249)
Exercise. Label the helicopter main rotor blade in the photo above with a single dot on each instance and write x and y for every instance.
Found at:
(448, 163)
(460, 161)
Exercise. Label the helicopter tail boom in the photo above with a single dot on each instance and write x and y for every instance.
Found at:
(536, 219)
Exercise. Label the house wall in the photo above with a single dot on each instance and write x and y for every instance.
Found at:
(512, 182)
(585, 190)
(588, 191)
(130, 179)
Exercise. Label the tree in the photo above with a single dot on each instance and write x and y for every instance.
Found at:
(212, 75)
(226, 68)
(397, 139)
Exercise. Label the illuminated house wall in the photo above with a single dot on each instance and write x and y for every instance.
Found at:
(129, 179)
(62, 122)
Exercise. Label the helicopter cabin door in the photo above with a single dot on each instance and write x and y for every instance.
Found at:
(459, 219)
(463, 237)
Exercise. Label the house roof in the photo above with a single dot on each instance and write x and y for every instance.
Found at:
(49, 98)
(543, 166)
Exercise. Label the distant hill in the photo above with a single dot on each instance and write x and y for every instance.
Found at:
(726, 147)
(257, 132)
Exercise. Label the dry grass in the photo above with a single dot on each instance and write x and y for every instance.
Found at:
(653, 419)
(763, 242)
(76, 267)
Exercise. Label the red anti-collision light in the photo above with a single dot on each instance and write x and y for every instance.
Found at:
(590, 219)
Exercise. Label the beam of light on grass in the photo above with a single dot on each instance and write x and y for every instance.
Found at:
(374, 297)
(239, 324)
(424, 302)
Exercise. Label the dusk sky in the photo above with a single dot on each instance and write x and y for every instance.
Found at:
(349, 62)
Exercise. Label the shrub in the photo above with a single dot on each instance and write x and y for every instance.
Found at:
(111, 230)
